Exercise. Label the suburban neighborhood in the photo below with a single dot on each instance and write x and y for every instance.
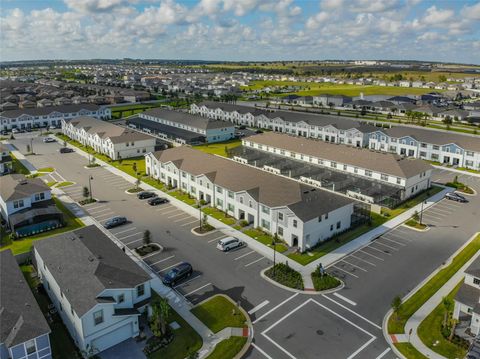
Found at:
(240, 180)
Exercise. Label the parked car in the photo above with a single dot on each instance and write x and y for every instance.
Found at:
(114, 222)
(145, 195)
(178, 273)
(65, 150)
(454, 196)
(49, 140)
(14, 130)
(51, 128)
(225, 244)
(156, 201)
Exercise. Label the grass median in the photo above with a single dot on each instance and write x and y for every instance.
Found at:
(228, 348)
(396, 324)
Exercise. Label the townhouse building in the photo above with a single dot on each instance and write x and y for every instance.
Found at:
(106, 138)
(448, 148)
(98, 291)
(5, 160)
(410, 176)
(49, 116)
(467, 300)
(300, 214)
(26, 205)
(172, 121)
(24, 333)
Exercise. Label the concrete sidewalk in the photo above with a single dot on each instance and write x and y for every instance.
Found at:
(454, 170)
(21, 158)
(416, 319)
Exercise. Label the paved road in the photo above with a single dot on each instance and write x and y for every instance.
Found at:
(287, 325)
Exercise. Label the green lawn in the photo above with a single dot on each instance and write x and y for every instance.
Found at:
(409, 307)
(412, 202)
(409, 351)
(182, 196)
(218, 313)
(219, 148)
(429, 332)
(25, 244)
(217, 214)
(338, 241)
(186, 341)
(414, 224)
(46, 169)
(18, 167)
(228, 348)
(265, 239)
(64, 184)
(60, 341)
(51, 183)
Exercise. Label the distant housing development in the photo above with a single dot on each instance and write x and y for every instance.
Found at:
(98, 291)
(49, 116)
(106, 138)
(448, 148)
(24, 331)
(300, 214)
(184, 127)
(405, 177)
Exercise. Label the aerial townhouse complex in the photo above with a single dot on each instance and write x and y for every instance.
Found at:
(444, 147)
(375, 177)
(24, 333)
(300, 214)
(111, 140)
(98, 291)
(49, 116)
(183, 127)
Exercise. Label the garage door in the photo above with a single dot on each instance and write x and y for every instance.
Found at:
(117, 336)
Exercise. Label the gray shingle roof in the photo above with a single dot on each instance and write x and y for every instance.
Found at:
(269, 189)
(43, 111)
(383, 162)
(85, 262)
(17, 186)
(20, 315)
(186, 119)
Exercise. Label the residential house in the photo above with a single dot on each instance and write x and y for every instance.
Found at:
(467, 300)
(5, 160)
(97, 289)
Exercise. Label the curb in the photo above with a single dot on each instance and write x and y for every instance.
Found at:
(416, 229)
(308, 291)
(203, 234)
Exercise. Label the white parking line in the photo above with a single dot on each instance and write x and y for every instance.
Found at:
(352, 311)
(353, 265)
(379, 250)
(126, 230)
(399, 236)
(391, 240)
(429, 215)
(258, 307)
(382, 354)
(363, 260)
(261, 351)
(371, 255)
(345, 299)
(188, 281)
(340, 269)
(216, 239)
(93, 208)
(244, 255)
(162, 260)
(196, 290)
(188, 223)
(435, 209)
(95, 211)
(93, 204)
(182, 219)
(176, 215)
(175, 210)
(385, 245)
(258, 260)
(106, 215)
(354, 354)
(275, 308)
(164, 208)
(135, 240)
(173, 265)
(130, 235)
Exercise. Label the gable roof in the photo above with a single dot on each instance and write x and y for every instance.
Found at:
(305, 201)
(43, 111)
(187, 119)
(85, 262)
(20, 315)
(17, 186)
(383, 162)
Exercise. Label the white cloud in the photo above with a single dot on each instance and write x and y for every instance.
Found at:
(472, 12)
(373, 6)
(436, 16)
(315, 21)
(96, 6)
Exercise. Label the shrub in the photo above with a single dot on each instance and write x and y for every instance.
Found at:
(154, 343)
(285, 276)
(324, 282)
(243, 223)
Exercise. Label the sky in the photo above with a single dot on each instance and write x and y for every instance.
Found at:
(241, 30)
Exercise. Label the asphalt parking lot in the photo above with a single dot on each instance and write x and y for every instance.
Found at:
(346, 324)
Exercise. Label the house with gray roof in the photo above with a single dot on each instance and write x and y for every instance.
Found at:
(107, 138)
(98, 290)
(211, 130)
(5, 160)
(467, 300)
(26, 205)
(300, 214)
(24, 332)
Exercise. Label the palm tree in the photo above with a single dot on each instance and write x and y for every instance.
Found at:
(447, 306)
(160, 312)
(396, 306)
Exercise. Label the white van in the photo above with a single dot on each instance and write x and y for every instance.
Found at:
(228, 243)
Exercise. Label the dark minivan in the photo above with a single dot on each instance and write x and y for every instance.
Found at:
(114, 222)
(145, 195)
(178, 273)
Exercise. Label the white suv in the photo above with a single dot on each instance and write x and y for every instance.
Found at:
(228, 243)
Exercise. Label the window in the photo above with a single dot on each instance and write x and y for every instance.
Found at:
(368, 173)
(265, 210)
(98, 317)
(476, 281)
(339, 224)
(333, 164)
(399, 180)
(39, 196)
(435, 147)
(384, 177)
(266, 224)
(326, 216)
(280, 231)
(280, 216)
(121, 298)
(355, 170)
(140, 290)
(230, 194)
(331, 227)
(231, 207)
(295, 223)
(219, 202)
(344, 167)
(18, 204)
(30, 346)
(219, 190)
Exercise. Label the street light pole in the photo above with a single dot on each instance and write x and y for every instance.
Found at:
(31, 145)
(275, 246)
(90, 178)
(421, 213)
(199, 215)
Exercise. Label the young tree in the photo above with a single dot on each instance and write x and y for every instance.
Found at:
(160, 313)
(146, 238)
(86, 192)
(396, 305)
(137, 182)
(416, 217)
(134, 167)
(447, 307)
